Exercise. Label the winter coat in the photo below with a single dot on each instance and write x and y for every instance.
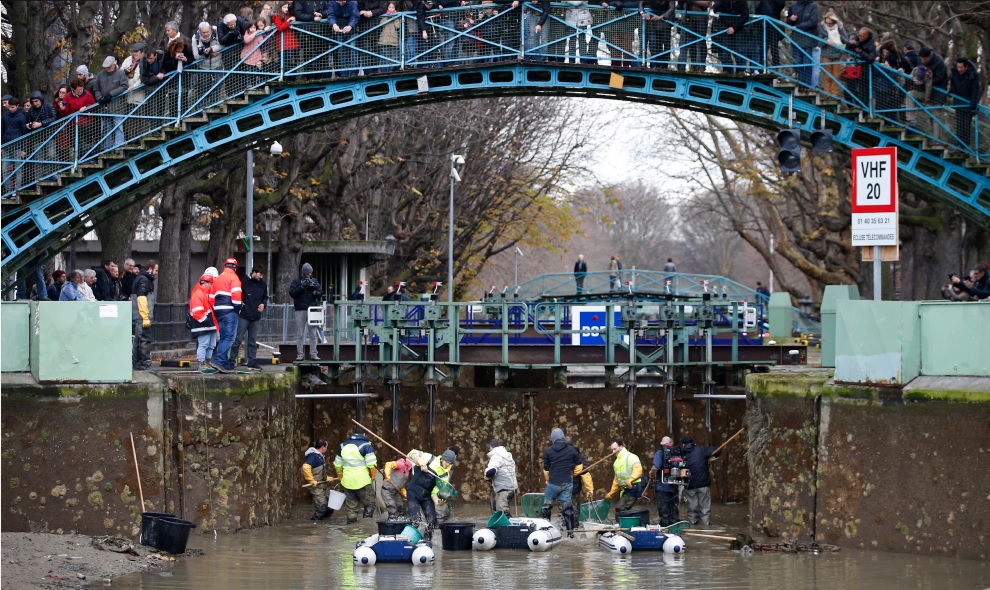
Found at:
(143, 297)
(344, 16)
(305, 295)
(966, 86)
(830, 51)
(304, 10)
(150, 71)
(724, 8)
(201, 310)
(867, 49)
(228, 36)
(254, 292)
(209, 50)
(697, 462)
(71, 292)
(77, 103)
(389, 36)
(501, 470)
(101, 288)
(45, 115)
(560, 460)
(171, 64)
(14, 125)
(109, 85)
(285, 39)
(249, 53)
(226, 294)
(771, 8)
(940, 77)
(807, 21)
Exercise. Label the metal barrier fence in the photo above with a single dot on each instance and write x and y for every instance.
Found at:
(491, 33)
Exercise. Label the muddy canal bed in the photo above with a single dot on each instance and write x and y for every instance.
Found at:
(303, 554)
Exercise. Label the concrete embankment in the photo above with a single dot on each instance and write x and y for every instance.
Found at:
(224, 451)
(870, 467)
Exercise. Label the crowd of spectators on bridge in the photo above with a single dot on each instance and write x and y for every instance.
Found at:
(824, 53)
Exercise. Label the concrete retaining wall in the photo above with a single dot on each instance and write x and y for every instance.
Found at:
(868, 468)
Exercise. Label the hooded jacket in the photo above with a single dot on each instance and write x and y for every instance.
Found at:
(305, 292)
(314, 468)
(143, 298)
(45, 114)
(697, 461)
(14, 125)
(501, 470)
(559, 463)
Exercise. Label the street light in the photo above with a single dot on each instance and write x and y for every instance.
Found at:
(455, 161)
(516, 258)
(270, 218)
(275, 150)
(390, 242)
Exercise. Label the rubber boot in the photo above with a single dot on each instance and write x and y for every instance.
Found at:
(546, 512)
(569, 522)
(369, 511)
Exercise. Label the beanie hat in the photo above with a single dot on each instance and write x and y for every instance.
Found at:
(58, 273)
(212, 271)
(556, 434)
(449, 456)
(83, 70)
(494, 443)
(307, 267)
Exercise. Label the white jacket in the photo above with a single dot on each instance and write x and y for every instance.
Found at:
(504, 465)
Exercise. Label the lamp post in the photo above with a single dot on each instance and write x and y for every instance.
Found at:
(770, 284)
(276, 150)
(270, 218)
(515, 272)
(455, 161)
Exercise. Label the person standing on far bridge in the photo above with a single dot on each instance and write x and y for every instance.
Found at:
(670, 266)
(580, 270)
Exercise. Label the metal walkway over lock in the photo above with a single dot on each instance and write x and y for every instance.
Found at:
(406, 342)
(86, 167)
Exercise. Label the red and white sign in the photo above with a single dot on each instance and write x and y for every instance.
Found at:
(874, 198)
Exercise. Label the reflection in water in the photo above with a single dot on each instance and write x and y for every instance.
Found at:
(302, 554)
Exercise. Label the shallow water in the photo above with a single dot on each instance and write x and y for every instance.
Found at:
(302, 554)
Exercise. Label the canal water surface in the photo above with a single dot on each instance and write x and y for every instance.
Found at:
(303, 554)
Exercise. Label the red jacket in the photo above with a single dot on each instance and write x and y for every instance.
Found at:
(77, 103)
(284, 37)
(226, 294)
(201, 310)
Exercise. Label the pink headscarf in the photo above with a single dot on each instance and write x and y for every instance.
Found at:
(403, 466)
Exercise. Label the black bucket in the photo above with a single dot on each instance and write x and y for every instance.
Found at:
(173, 534)
(642, 515)
(392, 527)
(457, 536)
(149, 527)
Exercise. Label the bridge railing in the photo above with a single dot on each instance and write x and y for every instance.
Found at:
(492, 33)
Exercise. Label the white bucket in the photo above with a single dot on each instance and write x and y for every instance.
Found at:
(336, 500)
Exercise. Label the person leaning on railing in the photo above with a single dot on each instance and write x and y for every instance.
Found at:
(834, 33)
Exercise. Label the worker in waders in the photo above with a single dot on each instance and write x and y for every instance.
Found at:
(357, 465)
(426, 469)
(397, 474)
(439, 494)
(628, 482)
(314, 471)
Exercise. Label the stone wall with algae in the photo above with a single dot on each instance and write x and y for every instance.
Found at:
(216, 450)
(521, 419)
(869, 468)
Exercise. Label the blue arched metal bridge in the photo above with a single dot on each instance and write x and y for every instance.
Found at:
(94, 163)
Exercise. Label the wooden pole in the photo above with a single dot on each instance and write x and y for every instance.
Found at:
(719, 537)
(590, 467)
(383, 441)
(137, 472)
(726, 442)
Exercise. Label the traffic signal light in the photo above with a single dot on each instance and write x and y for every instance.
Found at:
(821, 140)
(789, 154)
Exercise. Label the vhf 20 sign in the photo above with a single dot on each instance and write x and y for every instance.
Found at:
(874, 198)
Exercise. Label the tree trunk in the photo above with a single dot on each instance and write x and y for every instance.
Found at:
(117, 234)
(171, 284)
